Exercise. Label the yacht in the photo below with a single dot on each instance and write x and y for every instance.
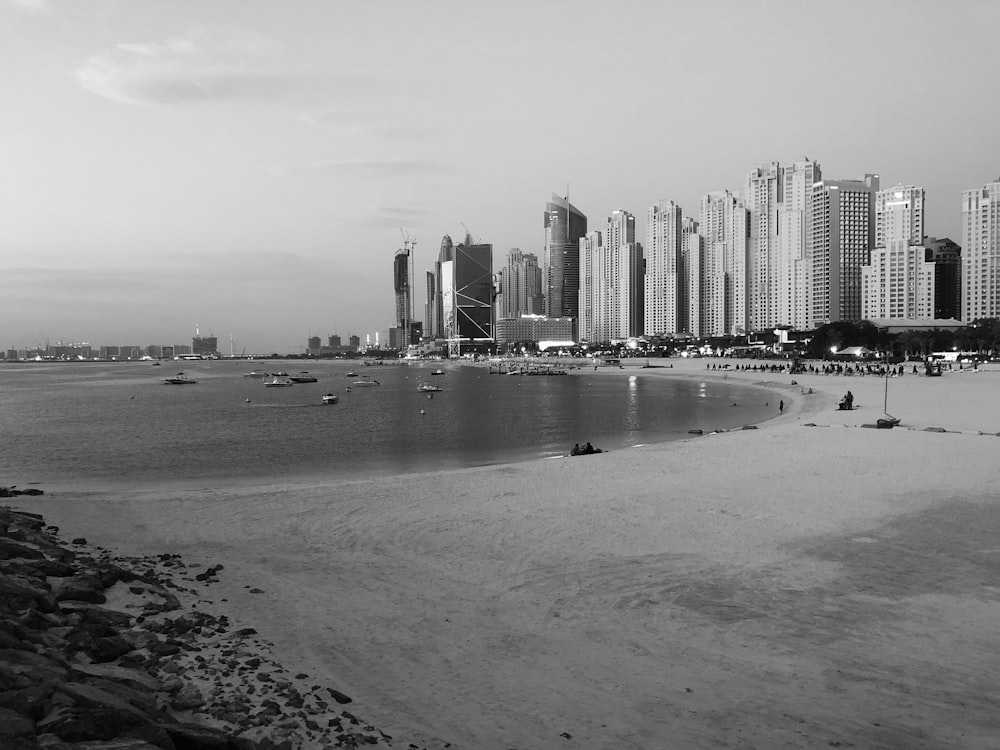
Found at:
(179, 379)
(330, 398)
(277, 382)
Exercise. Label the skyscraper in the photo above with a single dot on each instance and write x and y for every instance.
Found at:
(843, 232)
(564, 226)
(724, 223)
(792, 278)
(616, 300)
(590, 246)
(662, 250)
(445, 254)
(520, 285)
(764, 186)
(898, 281)
(981, 252)
(404, 300)
(467, 294)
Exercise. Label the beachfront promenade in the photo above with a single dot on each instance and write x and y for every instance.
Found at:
(811, 583)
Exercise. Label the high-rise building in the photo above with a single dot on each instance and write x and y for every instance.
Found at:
(688, 280)
(205, 346)
(663, 252)
(792, 270)
(899, 215)
(843, 233)
(431, 305)
(946, 256)
(981, 252)
(763, 193)
(616, 281)
(467, 294)
(520, 285)
(445, 254)
(564, 226)
(590, 245)
(898, 281)
(724, 223)
(404, 299)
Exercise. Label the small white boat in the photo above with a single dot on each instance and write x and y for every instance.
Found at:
(364, 381)
(352, 374)
(277, 382)
(256, 374)
(179, 379)
(438, 372)
(330, 398)
(429, 388)
(302, 377)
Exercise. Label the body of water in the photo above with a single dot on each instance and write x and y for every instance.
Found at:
(94, 424)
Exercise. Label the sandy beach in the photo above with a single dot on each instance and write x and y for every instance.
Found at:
(811, 583)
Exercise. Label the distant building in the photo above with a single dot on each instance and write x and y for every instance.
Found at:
(842, 236)
(533, 328)
(564, 226)
(333, 341)
(981, 252)
(663, 258)
(206, 346)
(520, 286)
(467, 295)
(354, 341)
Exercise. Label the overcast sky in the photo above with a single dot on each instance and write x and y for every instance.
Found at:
(246, 166)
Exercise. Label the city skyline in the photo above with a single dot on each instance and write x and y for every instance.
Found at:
(248, 169)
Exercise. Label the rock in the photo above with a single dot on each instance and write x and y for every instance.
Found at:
(80, 540)
(338, 696)
(14, 726)
(187, 697)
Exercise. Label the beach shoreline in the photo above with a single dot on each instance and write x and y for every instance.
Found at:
(787, 586)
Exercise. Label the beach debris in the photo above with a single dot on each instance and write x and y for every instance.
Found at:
(695, 432)
(749, 427)
(935, 429)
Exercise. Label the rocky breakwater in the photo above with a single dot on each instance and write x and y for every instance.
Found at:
(98, 651)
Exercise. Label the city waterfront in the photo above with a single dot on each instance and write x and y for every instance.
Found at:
(95, 424)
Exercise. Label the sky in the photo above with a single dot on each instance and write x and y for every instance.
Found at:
(248, 168)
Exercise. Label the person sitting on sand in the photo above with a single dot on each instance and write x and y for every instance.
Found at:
(588, 449)
(575, 450)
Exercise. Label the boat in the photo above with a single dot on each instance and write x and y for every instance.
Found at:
(179, 379)
(438, 372)
(302, 377)
(351, 374)
(330, 398)
(888, 421)
(277, 382)
(363, 381)
(256, 374)
(428, 388)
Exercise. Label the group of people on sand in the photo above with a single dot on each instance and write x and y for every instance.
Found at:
(847, 402)
(586, 450)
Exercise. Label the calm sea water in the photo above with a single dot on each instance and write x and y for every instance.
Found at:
(109, 424)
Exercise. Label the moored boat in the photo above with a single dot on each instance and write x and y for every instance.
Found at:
(330, 398)
(256, 374)
(302, 377)
(277, 382)
(179, 379)
(428, 388)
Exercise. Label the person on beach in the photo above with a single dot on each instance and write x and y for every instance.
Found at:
(781, 407)
(575, 451)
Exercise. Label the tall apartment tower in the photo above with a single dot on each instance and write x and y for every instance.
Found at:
(898, 281)
(564, 226)
(616, 281)
(445, 254)
(663, 257)
(792, 278)
(763, 194)
(724, 224)
(981, 252)
(590, 248)
(843, 233)
(687, 284)
(521, 285)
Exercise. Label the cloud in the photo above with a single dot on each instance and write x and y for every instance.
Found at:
(32, 6)
(380, 167)
(205, 65)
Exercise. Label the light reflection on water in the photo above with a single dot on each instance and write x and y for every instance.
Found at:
(116, 423)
